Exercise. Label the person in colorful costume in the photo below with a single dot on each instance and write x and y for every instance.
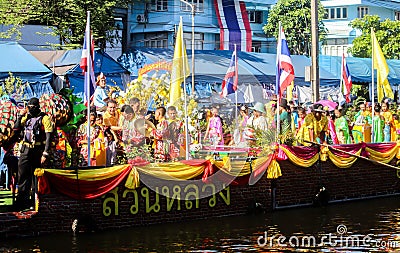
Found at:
(361, 118)
(331, 134)
(378, 123)
(314, 127)
(239, 133)
(175, 128)
(387, 116)
(97, 147)
(214, 131)
(342, 128)
(161, 135)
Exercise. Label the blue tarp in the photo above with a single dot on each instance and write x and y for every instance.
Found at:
(211, 65)
(115, 73)
(360, 68)
(22, 64)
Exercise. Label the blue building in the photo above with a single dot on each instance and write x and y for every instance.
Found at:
(339, 13)
(153, 24)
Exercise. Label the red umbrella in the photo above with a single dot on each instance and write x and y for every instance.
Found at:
(330, 104)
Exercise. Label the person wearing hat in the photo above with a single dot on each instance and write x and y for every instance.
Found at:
(36, 128)
(100, 94)
(257, 121)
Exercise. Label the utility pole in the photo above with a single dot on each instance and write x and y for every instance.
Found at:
(314, 51)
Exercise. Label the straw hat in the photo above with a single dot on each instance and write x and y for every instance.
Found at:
(259, 107)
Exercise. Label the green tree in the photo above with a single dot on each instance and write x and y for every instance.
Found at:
(295, 16)
(387, 33)
(68, 17)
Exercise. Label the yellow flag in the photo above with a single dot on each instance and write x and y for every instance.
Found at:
(382, 69)
(180, 67)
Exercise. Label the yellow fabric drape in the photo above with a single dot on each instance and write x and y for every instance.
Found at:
(235, 168)
(133, 179)
(172, 171)
(274, 170)
(343, 162)
(382, 157)
(91, 174)
(298, 161)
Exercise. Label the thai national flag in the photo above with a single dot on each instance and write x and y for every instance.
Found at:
(234, 24)
(284, 68)
(230, 82)
(346, 77)
(88, 55)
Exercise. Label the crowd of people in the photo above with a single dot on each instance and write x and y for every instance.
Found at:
(119, 133)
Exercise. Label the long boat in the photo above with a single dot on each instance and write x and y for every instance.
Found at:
(223, 184)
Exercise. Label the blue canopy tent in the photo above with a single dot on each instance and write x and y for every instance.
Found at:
(360, 68)
(211, 65)
(115, 73)
(19, 62)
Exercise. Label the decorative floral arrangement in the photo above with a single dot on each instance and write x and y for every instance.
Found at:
(156, 89)
(138, 155)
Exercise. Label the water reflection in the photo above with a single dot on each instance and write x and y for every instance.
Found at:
(379, 218)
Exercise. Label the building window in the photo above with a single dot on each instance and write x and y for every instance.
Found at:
(156, 40)
(337, 41)
(362, 11)
(335, 13)
(157, 5)
(397, 15)
(199, 5)
(256, 46)
(198, 40)
(255, 16)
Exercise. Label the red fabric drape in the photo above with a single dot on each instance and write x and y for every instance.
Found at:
(302, 151)
(351, 148)
(381, 147)
(81, 189)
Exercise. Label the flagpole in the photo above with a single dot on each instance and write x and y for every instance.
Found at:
(236, 92)
(341, 76)
(373, 86)
(87, 83)
(277, 85)
(185, 100)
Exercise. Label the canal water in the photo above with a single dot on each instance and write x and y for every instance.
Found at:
(362, 226)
